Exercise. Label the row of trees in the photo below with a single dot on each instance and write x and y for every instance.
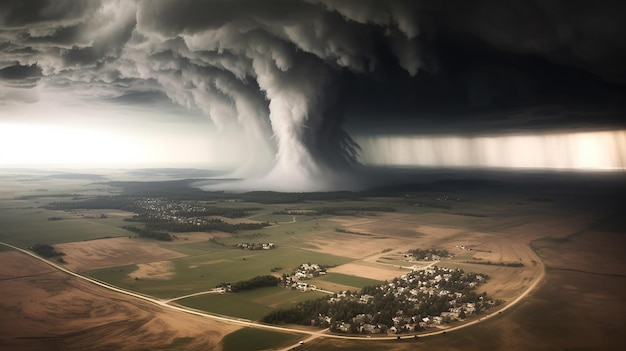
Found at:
(337, 211)
(504, 264)
(96, 203)
(148, 233)
(48, 251)
(250, 284)
(207, 225)
(303, 313)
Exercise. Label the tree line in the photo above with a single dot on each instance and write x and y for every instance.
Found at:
(148, 233)
(337, 211)
(503, 264)
(206, 225)
(250, 284)
(47, 251)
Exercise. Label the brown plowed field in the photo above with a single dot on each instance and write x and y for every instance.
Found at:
(84, 256)
(64, 313)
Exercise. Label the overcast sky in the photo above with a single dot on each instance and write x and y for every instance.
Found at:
(291, 91)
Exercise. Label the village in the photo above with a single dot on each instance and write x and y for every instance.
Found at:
(428, 298)
(188, 212)
(160, 214)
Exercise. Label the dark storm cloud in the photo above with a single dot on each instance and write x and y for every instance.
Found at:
(581, 34)
(16, 83)
(63, 34)
(480, 59)
(289, 73)
(29, 74)
(293, 54)
(33, 13)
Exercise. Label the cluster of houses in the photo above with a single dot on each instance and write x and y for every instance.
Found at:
(187, 213)
(172, 211)
(256, 246)
(305, 271)
(427, 255)
(414, 289)
(165, 207)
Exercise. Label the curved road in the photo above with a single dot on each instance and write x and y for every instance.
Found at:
(248, 323)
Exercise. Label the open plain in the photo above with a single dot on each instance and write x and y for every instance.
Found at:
(513, 237)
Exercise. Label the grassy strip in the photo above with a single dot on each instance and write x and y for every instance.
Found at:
(249, 339)
(350, 280)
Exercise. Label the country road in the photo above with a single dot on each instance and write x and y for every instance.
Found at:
(212, 291)
(247, 323)
(158, 302)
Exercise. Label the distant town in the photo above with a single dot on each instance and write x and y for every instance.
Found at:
(420, 299)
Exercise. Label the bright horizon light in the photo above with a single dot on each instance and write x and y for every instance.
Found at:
(52, 145)
(83, 146)
(598, 150)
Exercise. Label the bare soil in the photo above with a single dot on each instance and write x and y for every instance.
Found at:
(60, 312)
(353, 245)
(369, 270)
(194, 237)
(82, 256)
(375, 240)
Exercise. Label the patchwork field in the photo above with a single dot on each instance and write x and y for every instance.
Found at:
(506, 237)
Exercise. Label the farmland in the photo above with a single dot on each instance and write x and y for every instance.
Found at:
(359, 246)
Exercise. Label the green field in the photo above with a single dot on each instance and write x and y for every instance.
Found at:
(249, 339)
(303, 224)
(117, 276)
(204, 272)
(350, 280)
(26, 227)
(253, 304)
